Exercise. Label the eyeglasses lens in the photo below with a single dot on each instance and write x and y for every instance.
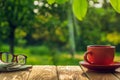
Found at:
(7, 57)
(21, 59)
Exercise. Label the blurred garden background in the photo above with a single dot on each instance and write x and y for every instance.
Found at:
(50, 34)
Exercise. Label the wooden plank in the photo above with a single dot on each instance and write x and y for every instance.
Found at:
(17, 75)
(117, 73)
(43, 73)
(70, 73)
(92, 75)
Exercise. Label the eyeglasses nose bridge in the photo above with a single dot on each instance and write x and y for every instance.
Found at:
(14, 58)
(1, 54)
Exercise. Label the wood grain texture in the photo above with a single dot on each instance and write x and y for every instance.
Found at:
(70, 73)
(59, 73)
(117, 73)
(17, 75)
(43, 73)
(92, 75)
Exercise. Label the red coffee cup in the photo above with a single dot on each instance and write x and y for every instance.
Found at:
(99, 54)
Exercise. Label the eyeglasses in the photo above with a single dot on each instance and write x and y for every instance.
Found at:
(8, 57)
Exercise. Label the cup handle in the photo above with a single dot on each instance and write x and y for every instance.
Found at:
(85, 56)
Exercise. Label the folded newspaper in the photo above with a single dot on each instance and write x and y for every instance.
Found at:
(13, 67)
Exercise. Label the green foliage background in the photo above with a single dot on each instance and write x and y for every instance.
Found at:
(42, 31)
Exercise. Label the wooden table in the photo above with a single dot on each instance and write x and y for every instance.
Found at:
(51, 72)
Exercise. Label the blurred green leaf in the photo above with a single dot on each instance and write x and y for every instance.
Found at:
(80, 8)
(50, 1)
(116, 5)
(61, 1)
